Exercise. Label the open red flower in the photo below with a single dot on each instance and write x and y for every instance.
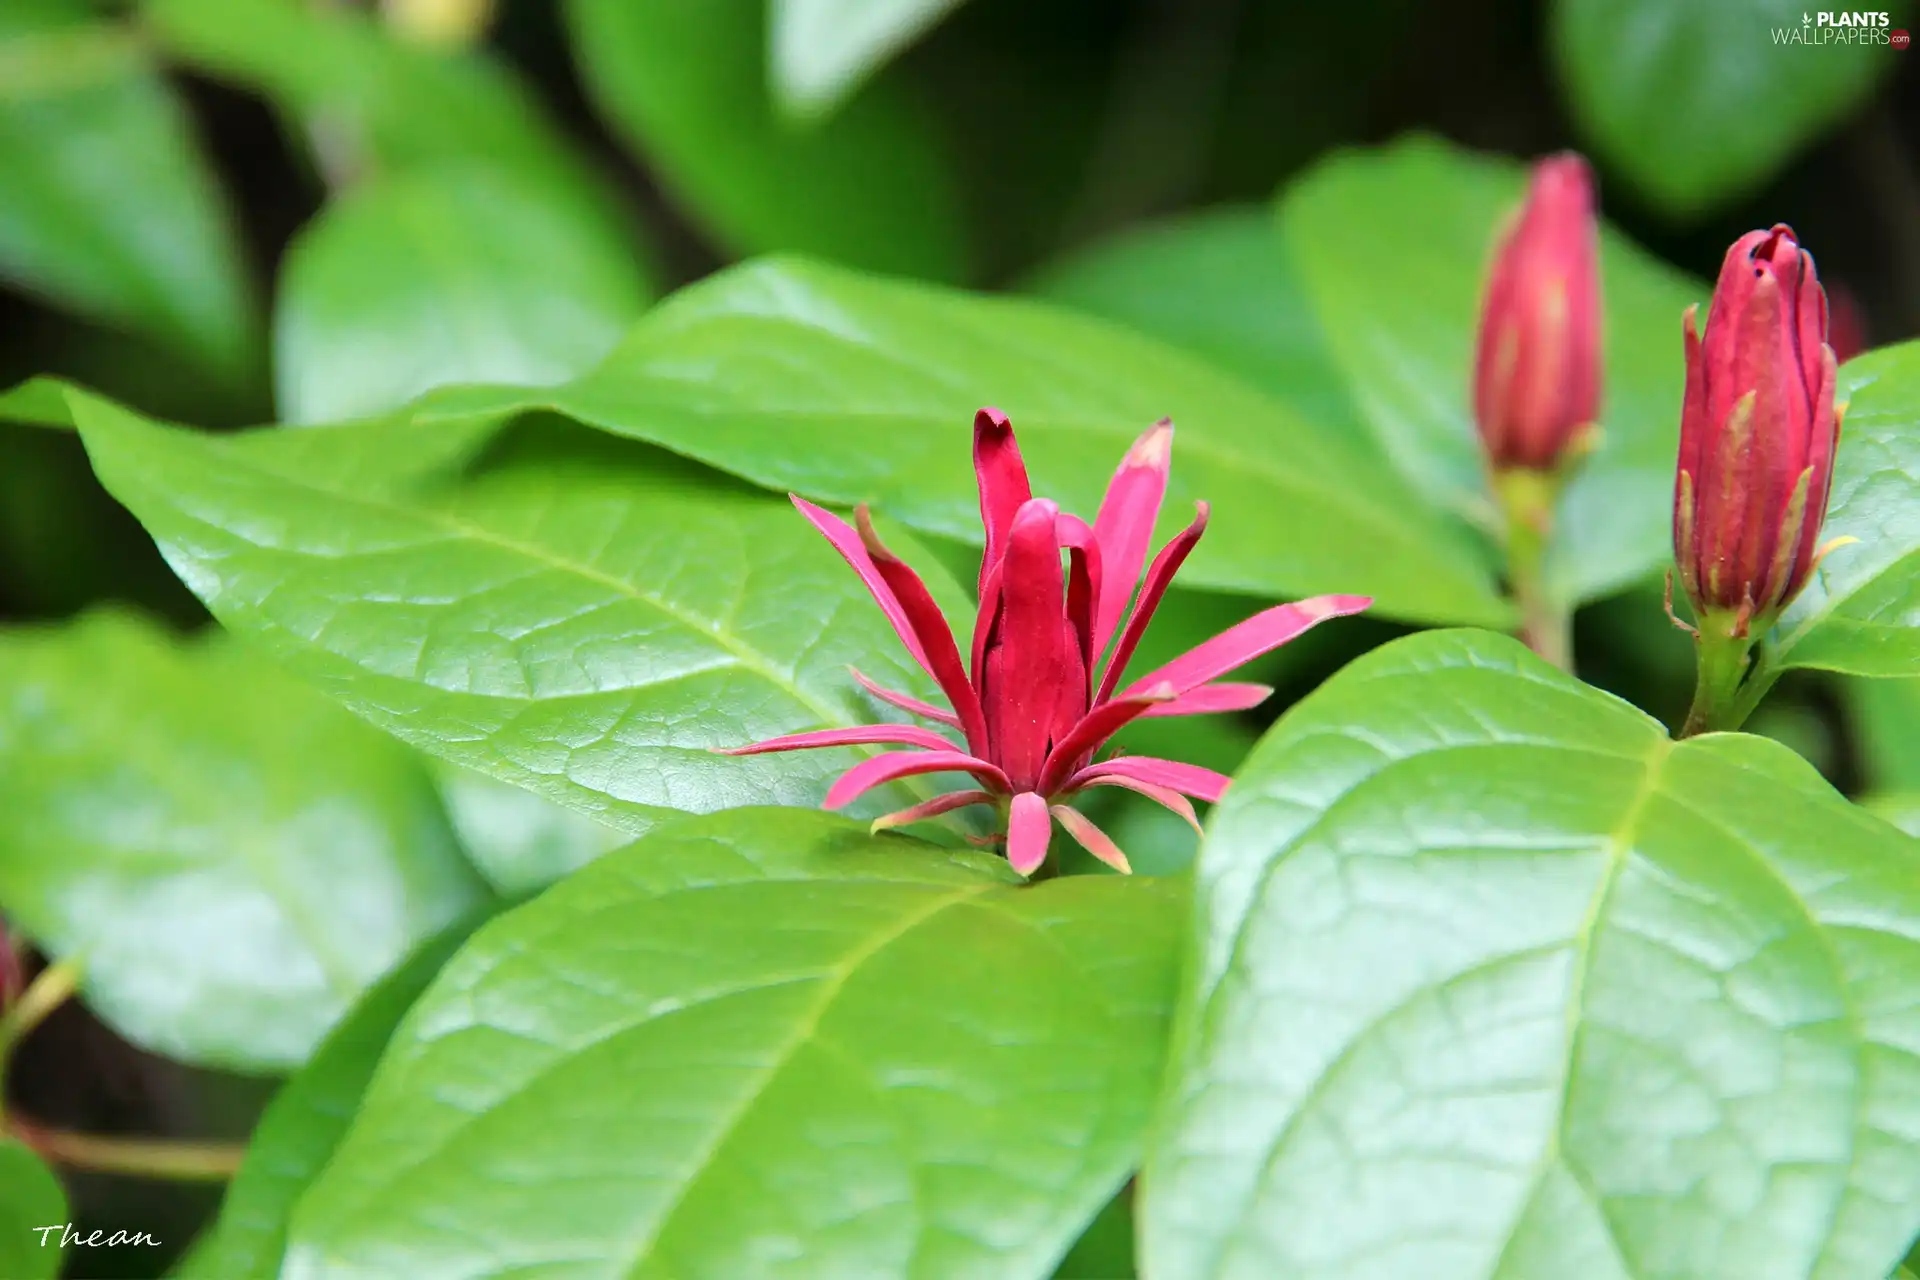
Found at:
(1036, 701)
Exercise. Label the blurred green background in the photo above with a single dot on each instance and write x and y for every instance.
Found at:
(230, 212)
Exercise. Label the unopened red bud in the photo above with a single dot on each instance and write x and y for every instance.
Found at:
(1758, 430)
(1537, 369)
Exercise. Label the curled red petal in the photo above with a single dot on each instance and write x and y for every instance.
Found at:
(1124, 525)
(1245, 641)
(1159, 578)
(847, 542)
(936, 638)
(1029, 830)
(908, 734)
(1092, 838)
(1095, 728)
(906, 702)
(869, 774)
(930, 809)
(1022, 694)
(1165, 797)
(1210, 699)
(1002, 476)
(1188, 779)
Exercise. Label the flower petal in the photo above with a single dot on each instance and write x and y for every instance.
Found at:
(1242, 643)
(1125, 522)
(1084, 574)
(1023, 690)
(1093, 729)
(910, 734)
(904, 701)
(1003, 482)
(1188, 779)
(1208, 699)
(1029, 830)
(1091, 838)
(1165, 797)
(929, 809)
(847, 543)
(936, 638)
(869, 774)
(1159, 577)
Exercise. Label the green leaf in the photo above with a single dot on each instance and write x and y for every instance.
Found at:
(1698, 104)
(1861, 612)
(519, 840)
(821, 50)
(299, 1131)
(764, 1041)
(30, 1198)
(108, 206)
(557, 608)
(847, 388)
(461, 273)
(1392, 245)
(683, 82)
(1491, 978)
(231, 858)
(1901, 808)
(1219, 284)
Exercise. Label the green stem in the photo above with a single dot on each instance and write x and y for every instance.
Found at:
(1723, 696)
(43, 995)
(1527, 498)
(138, 1157)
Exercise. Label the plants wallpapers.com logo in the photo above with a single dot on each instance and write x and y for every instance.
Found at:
(1843, 27)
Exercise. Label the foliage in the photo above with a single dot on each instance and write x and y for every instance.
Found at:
(374, 749)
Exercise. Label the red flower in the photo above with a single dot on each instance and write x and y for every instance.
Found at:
(1758, 429)
(1036, 702)
(1536, 378)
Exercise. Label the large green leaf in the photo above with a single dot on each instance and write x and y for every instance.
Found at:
(684, 83)
(1861, 612)
(231, 857)
(561, 609)
(847, 388)
(1492, 979)
(107, 205)
(763, 1042)
(462, 273)
(1901, 808)
(299, 1131)
(30, 1198)
(821, 50)
(1392, 245)
(1700, 103)
(1219, 284)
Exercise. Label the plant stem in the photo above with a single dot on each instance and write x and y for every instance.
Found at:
(1527, 498)
(43, 995)
(139, 1157)
(1721, 702)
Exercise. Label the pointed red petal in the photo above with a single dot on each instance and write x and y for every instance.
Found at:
(847, 543)
(1159, 577)
(1084, 574)
(869, 774)
(1091, 838)
(930, 809)
(1165, 797)
(1242, 643)
(1211, 698)
(910, 734)
(1025, 689)
(1188, 779)
(904, 701)
(936, 638)
(1003, 482)
(1093, 729)
(1029, 830)
(1125, 522)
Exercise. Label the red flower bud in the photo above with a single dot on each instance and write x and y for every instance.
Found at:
(1757, 434)
(1536, 379)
